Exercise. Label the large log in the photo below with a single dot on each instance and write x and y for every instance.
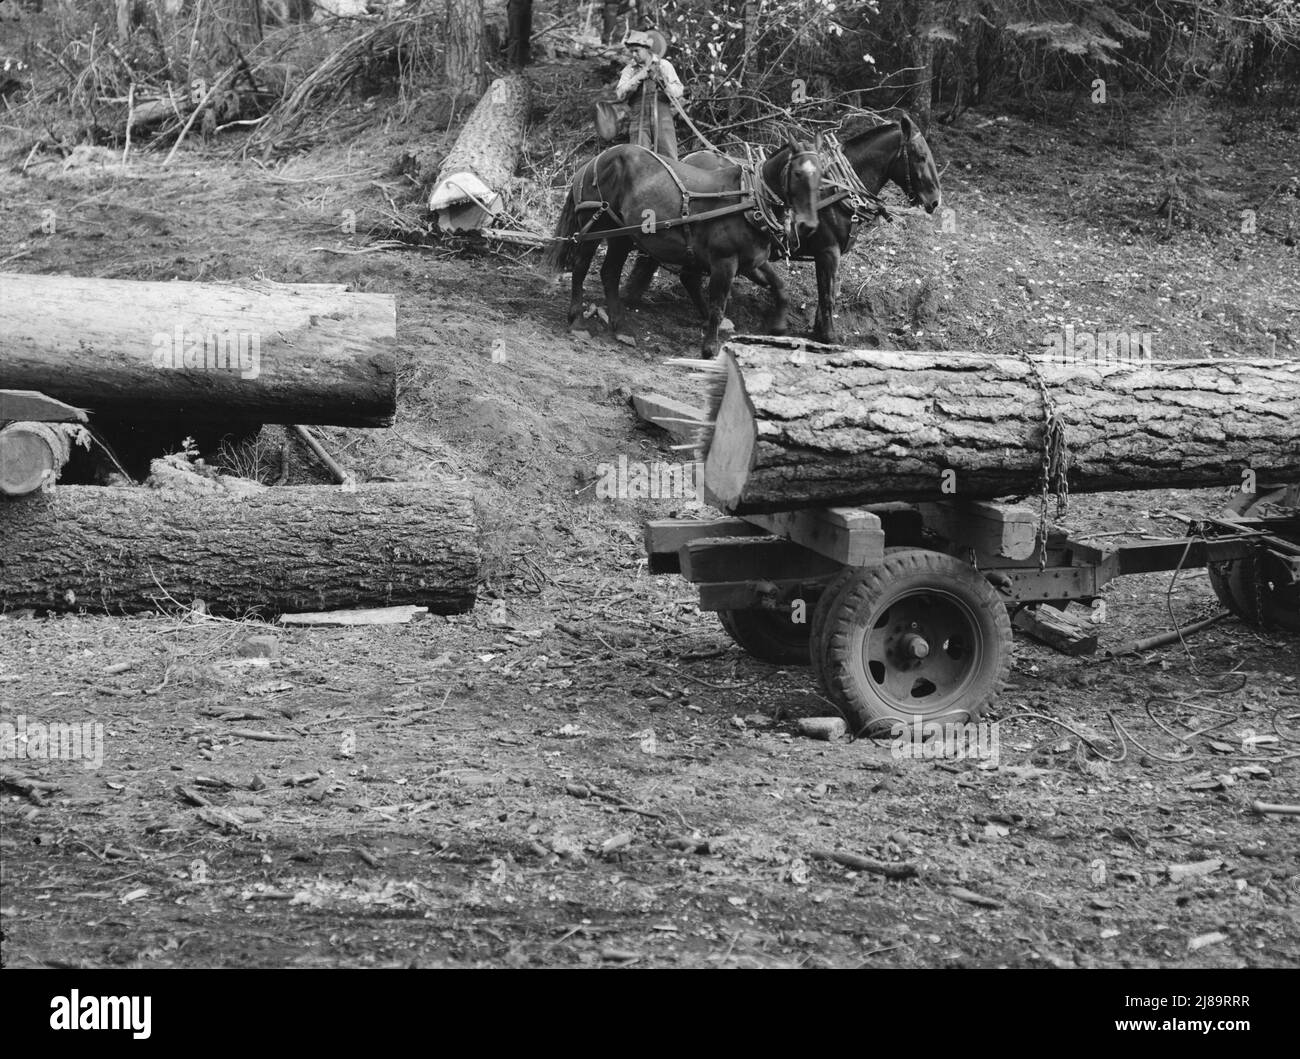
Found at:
(122, 549)
(31, 455)
(479, 166)
(797, 428)
(260, 352)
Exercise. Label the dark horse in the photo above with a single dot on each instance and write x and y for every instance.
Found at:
(706, 222)
(895, 151)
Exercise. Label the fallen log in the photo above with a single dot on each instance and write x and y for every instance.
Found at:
(240, 547)
(795, 428)
(31, 455)
(477, 169)
(258, 352)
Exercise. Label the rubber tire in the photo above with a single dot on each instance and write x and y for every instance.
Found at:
(768, 635)
(828, 602)
(1220, 574)
(1237, 582)
(868, 594)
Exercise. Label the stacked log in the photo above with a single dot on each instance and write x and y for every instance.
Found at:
(822, 427)
(239, 547)
(257, 352)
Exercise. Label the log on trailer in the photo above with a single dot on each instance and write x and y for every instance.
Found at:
(258, 351)
(240, 547)
(478, 168)
(796, 428)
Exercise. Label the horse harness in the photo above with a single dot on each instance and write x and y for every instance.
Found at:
(849, 189)
(758, 202)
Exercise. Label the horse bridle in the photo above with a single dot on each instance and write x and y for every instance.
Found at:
(906, 152)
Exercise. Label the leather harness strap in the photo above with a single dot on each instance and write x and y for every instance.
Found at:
(759, 203)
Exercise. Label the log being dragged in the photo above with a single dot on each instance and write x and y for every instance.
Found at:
(303, 548)
(257, 351)
(796, 428)
(479, 166)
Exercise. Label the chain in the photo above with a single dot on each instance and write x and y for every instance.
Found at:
(1055, 468)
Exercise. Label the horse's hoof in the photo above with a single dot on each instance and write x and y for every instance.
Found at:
(626, 340)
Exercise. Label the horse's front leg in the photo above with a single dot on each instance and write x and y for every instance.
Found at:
(766, 275)
(694, 284)
(611, 273)
(643, 271)
(581, 263)
(721, 277)
(828, 270)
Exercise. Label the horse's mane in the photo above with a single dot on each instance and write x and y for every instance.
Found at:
(875, 130)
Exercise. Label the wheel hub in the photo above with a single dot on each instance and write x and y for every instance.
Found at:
(923, 650)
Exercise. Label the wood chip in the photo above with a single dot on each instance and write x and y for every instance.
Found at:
(265, 737)
(1202, 940)
(971, 897)
(371, 616)
(901, 870)
(1196, 870)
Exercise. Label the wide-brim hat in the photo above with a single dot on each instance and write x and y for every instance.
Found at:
(652, 39)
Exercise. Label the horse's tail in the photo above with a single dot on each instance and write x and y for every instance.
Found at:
(559, 255)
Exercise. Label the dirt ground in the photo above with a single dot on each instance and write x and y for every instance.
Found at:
(585, 770)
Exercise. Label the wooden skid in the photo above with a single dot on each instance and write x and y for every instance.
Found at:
(1057, 628)
(664, 538)
(993, 530)
(681, 420)
(849, 536)
(756, 558)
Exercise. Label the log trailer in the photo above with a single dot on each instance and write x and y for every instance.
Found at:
(903, 610)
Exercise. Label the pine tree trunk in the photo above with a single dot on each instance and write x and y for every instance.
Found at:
(298, 548)
(464, 60)
(519, 33)
(817, 429)
(921, 58)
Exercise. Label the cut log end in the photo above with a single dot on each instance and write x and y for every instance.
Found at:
(31, 455)
(728, 464)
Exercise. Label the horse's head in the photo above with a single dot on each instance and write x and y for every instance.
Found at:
(801, 182)
(913, 167)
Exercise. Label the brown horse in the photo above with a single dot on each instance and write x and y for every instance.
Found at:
(895, 151)
(706, 222)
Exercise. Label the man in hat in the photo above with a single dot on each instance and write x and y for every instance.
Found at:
(647, 84)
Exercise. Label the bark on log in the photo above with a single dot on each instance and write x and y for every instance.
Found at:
(479, 165)
(120, 549)
(263, 352)
(796, 428)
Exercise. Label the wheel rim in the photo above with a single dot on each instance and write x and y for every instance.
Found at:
(922, 651)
